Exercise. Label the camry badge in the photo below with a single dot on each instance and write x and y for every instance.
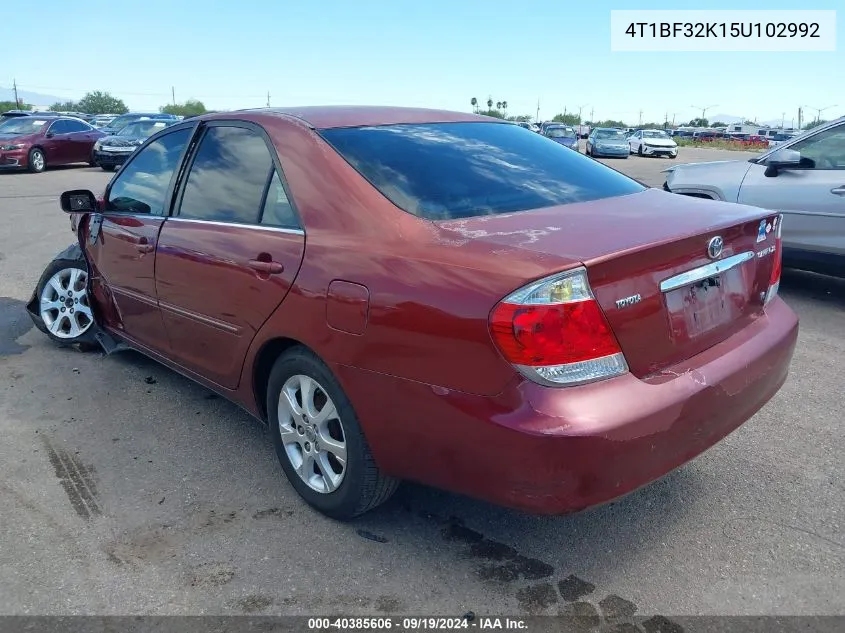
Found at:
(714, 247)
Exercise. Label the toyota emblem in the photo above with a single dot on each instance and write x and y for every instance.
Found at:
(714, 247)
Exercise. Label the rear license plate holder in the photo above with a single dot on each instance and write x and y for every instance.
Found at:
(700, 308)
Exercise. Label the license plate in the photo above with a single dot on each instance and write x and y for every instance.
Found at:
(700, 308)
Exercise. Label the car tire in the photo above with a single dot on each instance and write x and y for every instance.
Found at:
(36, 161)
(639, 150)
(107, 167)
(361, 485)
(92, 162)
(64, 327)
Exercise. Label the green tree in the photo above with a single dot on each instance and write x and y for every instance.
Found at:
(610, 123)
(492, 112)
(192, 107)
(718, 124)
(5, 106)
(490, 103)
(568, 119)
(99, 102)
(474, 103)
(699, 122)
(813, 124)
(64, 106)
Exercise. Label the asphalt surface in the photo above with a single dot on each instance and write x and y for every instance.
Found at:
(127, 489)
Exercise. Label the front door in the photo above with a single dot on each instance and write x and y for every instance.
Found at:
(122, 252)
(80, 139)
(56, 148)
(811, 198)
(230, 253)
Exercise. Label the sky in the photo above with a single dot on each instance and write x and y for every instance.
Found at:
(426, 53)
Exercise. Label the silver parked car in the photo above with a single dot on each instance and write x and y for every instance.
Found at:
(804, 178)
(605, 141)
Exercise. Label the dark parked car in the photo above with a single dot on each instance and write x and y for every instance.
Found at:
(563, 134)
(112, 151)
(38, 142)
(119, 122)
(525, 325)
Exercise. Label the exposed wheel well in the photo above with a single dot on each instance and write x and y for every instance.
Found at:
(264, 362)
(698, 195)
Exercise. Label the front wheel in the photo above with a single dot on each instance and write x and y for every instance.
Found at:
(37, 161)
(107, 167)
(639, 150)
(319, 441)
(63, 303)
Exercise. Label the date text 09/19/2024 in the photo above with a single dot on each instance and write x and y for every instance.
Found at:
(415, 623)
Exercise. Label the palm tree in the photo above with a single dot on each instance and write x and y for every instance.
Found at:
(498, 105)
(474, 103)
(505, 107)
(490, 102)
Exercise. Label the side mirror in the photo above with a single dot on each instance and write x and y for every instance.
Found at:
(49, 135)
(780, 160)
(79, 201)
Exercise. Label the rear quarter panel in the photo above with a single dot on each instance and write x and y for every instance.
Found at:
(429, 300)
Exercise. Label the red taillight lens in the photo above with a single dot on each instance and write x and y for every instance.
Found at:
(777, 263)
(552, 334)
(555, 333)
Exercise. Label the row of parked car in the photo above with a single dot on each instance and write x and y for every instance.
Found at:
(609, 142)
(34, 141)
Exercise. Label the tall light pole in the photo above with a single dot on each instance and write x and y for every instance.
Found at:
(580, 108)
(704, 109)
(820, 110)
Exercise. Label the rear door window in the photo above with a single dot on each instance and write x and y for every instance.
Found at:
(444, 171)
(228, 177)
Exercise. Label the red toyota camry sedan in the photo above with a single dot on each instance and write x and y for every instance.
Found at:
(406, 294)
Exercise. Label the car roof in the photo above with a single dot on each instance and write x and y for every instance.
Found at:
(325, 117)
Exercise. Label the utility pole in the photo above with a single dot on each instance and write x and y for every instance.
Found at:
(580, 108)
(782, 119)
(592, 114)
(173, 94)
(819, 112)
(15, 88)
(800, 116)
(704, 109)
(538, 110)
(268, 98)
(641, 119)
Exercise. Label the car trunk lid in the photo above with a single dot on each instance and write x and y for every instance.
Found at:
(631, 245)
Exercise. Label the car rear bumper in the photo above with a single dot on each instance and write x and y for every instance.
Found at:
(555, 451)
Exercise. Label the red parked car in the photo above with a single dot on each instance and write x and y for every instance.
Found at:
(432, 296)
(38, 142)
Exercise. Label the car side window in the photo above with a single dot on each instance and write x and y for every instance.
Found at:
(76, 126)
(58, 127)
(143, 184)
(277, 208)
(826, 149)
(228, 177)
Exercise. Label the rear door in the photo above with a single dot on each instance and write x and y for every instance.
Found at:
(812, 199)
(230, 253)
(80, 138)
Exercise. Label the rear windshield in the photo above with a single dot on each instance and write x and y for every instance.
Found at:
(445, 171)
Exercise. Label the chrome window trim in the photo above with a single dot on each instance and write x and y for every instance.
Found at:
(704, 272)
(243, 225)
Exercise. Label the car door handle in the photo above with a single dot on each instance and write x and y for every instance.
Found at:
(839, 191)
(268, 268)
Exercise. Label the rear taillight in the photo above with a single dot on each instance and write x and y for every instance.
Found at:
(777, 264)
(554, 332)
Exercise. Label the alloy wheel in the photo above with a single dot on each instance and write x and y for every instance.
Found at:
(38, 160)
(312, 433)
(65, 309)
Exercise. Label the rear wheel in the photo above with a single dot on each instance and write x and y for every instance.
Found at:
(37, 161)
(318, 440)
